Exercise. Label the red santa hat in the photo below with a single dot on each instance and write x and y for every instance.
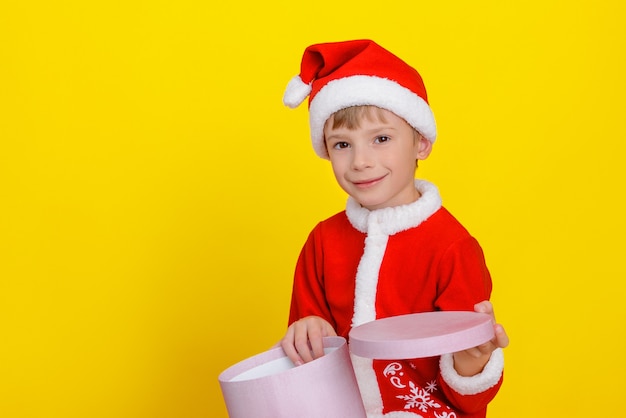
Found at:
(352, 73)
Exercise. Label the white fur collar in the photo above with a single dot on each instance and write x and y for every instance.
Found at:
(379, 225)
(390, 221)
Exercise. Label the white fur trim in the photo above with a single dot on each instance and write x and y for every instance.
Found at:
(472, 385)
(379, 225)
(296, 91)
(368, 90)
(395, 219)
(367, 276)
(368, 385)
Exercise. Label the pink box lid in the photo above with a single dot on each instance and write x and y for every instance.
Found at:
(421, 335)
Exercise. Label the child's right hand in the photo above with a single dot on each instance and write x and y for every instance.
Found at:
(303, 340)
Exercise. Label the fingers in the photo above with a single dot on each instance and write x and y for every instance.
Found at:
(316, 342)
(481, 350)
(485, 307)
(501, 339)
(302, 337)
(287, 344)
(303, 341)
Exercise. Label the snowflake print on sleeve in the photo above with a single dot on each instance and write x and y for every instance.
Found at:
(431, 387)
(418, 399)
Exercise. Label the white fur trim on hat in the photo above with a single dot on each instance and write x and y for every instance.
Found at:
(488, 378)
(368, 90)
(296, 91)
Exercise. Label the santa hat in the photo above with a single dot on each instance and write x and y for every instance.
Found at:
(352, 73)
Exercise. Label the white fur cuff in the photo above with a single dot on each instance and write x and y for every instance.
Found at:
(472, 385)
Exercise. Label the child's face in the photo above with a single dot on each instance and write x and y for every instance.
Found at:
(375, 163)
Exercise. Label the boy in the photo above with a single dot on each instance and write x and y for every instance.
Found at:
(395, 249)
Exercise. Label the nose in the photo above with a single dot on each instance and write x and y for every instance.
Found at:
(362, 158)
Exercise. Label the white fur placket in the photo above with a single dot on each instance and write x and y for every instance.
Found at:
(379, 225)
(367, 272)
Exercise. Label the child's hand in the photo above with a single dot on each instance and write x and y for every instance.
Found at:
(472, 361)
(303, 340)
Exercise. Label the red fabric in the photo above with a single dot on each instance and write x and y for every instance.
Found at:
(435, 266)
(323, 63)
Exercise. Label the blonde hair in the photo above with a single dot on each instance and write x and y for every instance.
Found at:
(351, 117)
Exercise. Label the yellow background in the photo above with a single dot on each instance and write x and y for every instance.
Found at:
(155, 193)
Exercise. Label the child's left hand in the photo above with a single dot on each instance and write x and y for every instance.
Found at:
(472, 361)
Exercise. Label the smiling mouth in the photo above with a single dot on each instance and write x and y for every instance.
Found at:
(363, 184)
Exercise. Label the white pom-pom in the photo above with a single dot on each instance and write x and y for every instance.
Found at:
(296, 91)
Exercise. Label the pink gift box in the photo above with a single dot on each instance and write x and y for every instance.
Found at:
(268, 385)
(421, 335)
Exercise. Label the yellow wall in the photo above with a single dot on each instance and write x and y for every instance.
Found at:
(154, 192)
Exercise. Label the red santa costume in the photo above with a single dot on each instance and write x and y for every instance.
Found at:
(362, 265)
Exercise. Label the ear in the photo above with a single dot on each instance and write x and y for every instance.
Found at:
(423, 147)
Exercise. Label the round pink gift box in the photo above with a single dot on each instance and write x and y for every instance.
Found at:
(268, 385)
(421, 335)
